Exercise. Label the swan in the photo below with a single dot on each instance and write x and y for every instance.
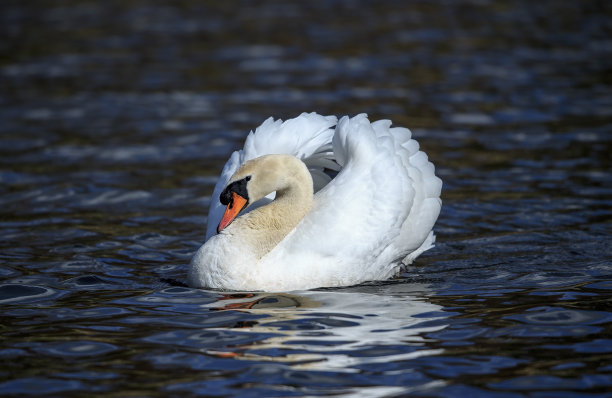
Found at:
(318, 202)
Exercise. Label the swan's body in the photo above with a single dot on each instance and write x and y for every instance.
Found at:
(377, 213)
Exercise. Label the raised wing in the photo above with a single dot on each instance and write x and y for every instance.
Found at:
(361, 212)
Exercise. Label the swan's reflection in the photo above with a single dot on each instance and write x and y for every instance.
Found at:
(337, 329)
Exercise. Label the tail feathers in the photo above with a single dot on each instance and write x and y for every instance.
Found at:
(428, 243)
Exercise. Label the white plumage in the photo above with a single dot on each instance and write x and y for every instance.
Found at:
(376, 212)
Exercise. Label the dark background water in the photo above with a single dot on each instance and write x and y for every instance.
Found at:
(117, 116)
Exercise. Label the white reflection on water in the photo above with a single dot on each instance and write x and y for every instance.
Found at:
(336, 330)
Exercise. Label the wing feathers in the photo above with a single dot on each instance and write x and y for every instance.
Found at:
(362, 211)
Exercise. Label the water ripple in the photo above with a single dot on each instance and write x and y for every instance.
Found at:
(552, 316)
(77, 349)
(11, 293)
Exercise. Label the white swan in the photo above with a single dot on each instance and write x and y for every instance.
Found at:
(374, 215)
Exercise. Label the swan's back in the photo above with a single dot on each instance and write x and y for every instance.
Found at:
(378, 210)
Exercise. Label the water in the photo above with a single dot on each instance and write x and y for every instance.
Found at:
(117, 116)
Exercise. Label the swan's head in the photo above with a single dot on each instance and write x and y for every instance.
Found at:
(257, 178)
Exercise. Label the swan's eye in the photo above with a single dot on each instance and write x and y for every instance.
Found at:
(238, 188)
(248, 178)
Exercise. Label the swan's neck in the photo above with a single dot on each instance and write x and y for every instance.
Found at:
(263, 228)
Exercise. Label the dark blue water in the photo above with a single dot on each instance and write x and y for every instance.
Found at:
(116, 117)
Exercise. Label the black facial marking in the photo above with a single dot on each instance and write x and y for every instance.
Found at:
(240, 187)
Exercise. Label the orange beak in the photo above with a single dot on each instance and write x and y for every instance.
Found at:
(231, 211)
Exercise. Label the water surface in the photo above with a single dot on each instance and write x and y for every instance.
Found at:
(116, 118)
